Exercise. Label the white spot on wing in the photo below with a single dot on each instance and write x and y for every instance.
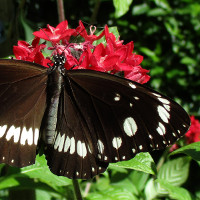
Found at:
(67, 144)
(57, 141)
(130, 126)
(131, 105)
(150, 136)
(2, 130)
(165, 101)
(72, 145)
(133, 150)
(161, 129)
(167, 107)
(81, 149)
(117, 142)
(13, 132)
(117, 97)
(136, 98)
(12, 161)
(100, 146)
(61, 143)
(132, 85)
(36, 136)
(164, 115)
(26, 135)
(89, 149)
(157, 95)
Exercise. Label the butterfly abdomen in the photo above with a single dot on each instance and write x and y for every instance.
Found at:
(55, 85)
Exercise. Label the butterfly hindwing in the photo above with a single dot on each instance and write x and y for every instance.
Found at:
(22, 106)
(71, 153)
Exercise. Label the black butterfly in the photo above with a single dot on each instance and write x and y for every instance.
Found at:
(91, 118)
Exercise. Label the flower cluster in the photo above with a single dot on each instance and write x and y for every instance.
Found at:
(111, 56)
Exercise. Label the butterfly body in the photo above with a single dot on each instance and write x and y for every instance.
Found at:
(93, 118)
(55, 86)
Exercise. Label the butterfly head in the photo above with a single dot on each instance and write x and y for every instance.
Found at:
(59, 60)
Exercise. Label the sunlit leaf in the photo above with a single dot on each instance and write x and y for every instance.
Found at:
(121, 7)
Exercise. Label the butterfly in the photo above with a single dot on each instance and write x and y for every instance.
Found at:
(87, 119)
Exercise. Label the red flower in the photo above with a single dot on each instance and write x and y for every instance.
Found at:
(82, 31)
(111, 56)
(193, 135)
(138, 74)
(31, 53)
(54, 35)
(111, 37)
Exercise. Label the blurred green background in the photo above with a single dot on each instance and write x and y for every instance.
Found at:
(165, 32)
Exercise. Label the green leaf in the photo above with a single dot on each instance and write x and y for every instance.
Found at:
(157, 12)
(157, 70)
(175, 171)
(163, 4)
(47, 195)
(102, 184)
(150, 53)
(141, 162)
(192, 150)
(139, 179)
(140, 9)
(126, 184)
(174, 191)
(121, 7)
(171, 25)
(41, 171)
(150, 190)
(188, 61)
(112, 193)
(25, 177)
(23, 182)
(174, 73)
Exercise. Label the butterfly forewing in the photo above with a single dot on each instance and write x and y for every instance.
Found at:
(22, 106)
(125, 118)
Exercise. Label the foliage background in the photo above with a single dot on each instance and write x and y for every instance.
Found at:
(167, 34)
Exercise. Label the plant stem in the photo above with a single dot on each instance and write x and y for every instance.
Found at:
(61, 11)
(77, 190)
(95, 12)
